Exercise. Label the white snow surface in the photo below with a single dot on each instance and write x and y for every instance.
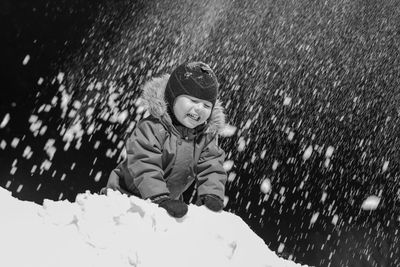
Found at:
(116, 230)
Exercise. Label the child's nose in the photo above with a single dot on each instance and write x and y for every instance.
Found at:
(199, 107)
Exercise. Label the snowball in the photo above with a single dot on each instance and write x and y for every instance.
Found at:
(41, 108)
(131, 126)
(5, 121)
(314, 218)
(290, 136)
(231, 176)
(73, 132)
(46, 164)
(228, 165)
(98, 176)
(140, 110)
(27, 152)
(385, 166)
(112, 100)
(327, 162)
(262, 156)
(13, 170)
(307, 153)
(323, 198)
(3, 144)
(43, 130)
(228, 130)
(98, 86)
(54, 101)
(281, 247)
(72, 113)
(33, 118)
(110, 153)
(329, 151)
(248, 124)
(138, 102)
(76, 104)
(275, 165)
(287, 101)
(241, 144)
(65, 99)
(60, 77)
(122, 116)
(34, 167)
(371, 203)
(335, 219)
(90, 130)
(35, 124)
(15, 142)
(19, 189)
(226, 200)
(266, 186)
(26, 60)
(96, 145)
(50, 148)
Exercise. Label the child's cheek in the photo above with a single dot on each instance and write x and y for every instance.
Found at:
(208, 113)
(204, 114)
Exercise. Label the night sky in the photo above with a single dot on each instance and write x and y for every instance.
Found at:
(312, 87)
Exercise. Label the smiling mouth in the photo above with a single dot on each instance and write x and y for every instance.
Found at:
(193, 116)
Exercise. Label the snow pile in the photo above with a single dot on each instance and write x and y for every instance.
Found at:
(115, 230)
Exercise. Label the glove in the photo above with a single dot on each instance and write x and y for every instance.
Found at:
(175, 208)
(211, 201)
(103, 191)
(114, 184)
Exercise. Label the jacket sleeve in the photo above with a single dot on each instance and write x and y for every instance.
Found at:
(211, 174)
(144, 160)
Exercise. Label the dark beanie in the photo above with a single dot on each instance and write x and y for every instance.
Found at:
(194, 79)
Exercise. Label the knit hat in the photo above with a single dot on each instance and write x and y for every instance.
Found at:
(194, 79)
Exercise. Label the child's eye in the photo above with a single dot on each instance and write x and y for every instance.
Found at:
(205, 105)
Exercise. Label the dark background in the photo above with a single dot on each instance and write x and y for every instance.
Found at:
(338, 62)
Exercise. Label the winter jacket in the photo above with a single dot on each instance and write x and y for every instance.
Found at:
(166, 159)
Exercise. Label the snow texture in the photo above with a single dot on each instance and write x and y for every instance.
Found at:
(114, 230)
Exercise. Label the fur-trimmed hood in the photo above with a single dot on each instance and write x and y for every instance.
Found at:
(153, 100)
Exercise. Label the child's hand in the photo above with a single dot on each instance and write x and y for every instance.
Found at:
(175, 208)
(211, 201)
(114, 184)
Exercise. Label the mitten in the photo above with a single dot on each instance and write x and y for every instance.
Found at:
(114, 184)
(175, 208)
(211, 201)
(103, 191)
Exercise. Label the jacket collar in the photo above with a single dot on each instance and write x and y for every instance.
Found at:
(153, 101)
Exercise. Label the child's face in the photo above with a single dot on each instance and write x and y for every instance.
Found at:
(192, 111)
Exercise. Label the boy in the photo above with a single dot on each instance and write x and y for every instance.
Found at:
(177, 144)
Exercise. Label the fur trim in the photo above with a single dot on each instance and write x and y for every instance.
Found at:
(153, 101)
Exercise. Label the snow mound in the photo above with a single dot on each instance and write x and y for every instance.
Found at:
(116, 230)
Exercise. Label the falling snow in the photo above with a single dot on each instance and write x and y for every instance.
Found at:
(307, 153)
(266, 186)
(311, 97)
(26, 59)
(371, 203)
(5, 120)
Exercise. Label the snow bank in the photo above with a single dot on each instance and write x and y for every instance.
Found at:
(115, 230)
